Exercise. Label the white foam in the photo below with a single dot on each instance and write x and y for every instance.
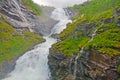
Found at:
(33, 65)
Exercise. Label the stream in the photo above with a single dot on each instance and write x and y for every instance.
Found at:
(80, 54)
(33, 65)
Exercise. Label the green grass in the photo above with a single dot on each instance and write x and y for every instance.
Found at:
(70, 45)
(95, 7)
(12, 43)
(30, 5)
(69, 31)
(107, 40)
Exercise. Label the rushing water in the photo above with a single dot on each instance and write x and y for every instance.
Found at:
(60, 15)
(79, 55)
(19, 9)
(33, 64)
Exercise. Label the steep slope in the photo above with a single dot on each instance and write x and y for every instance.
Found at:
(89, 47)
(16, 23)
(17, 15)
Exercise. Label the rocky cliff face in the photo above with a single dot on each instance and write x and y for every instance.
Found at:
(94, 63)
(45, 23)
(16, 14)
(21, 18)
(91, 66)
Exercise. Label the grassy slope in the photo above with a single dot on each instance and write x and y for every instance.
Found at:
(70, 45)
(107, 40)
(13, 44)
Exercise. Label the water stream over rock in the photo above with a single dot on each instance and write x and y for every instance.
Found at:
(79, 55)
(19, 10)
(33, 65)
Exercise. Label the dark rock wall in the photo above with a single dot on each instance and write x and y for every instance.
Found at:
(91, 66)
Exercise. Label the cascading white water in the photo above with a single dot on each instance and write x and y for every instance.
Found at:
(59, 14)
(79, 55)
(76, 61)
(93, 35)
(19, 10)
(21, 15)
(33, 64)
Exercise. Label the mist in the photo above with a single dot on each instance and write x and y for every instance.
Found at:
(59, 3)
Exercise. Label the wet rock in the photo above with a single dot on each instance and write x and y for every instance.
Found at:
(59, 66)
(7, 67)
(118, 23)
(5, 70)
(72, 12)
(108, 20)
(91, 66)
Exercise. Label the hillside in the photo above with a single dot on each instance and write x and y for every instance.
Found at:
(96, 30)
(16, 21)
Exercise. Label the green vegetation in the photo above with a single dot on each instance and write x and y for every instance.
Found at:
(69, 31)
(95, 7)
(107, 42)
(96, 14)
(118, 69)
(30, 5)
(13, 43)
(70, 45)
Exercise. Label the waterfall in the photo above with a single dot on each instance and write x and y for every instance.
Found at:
(93, 35)
(33, 65)
(76, 62)
(15, 3)
(79, 56)
(59, 14)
